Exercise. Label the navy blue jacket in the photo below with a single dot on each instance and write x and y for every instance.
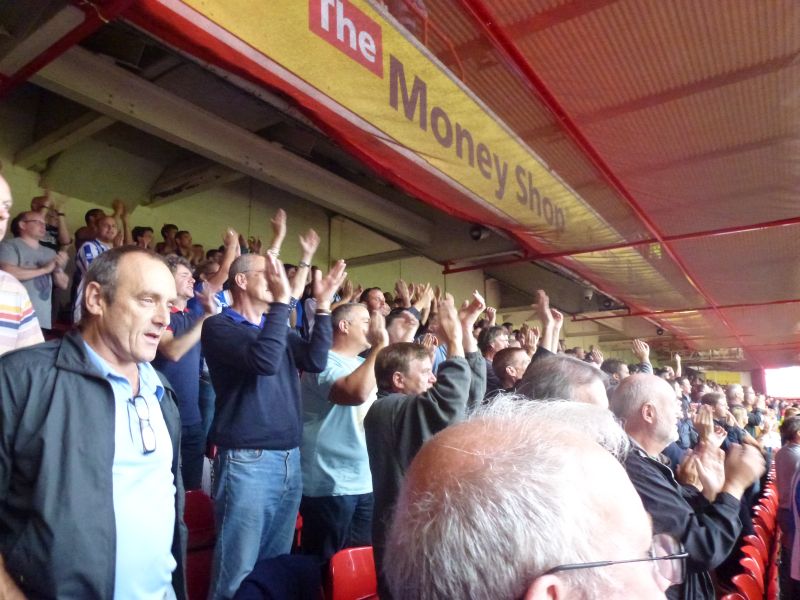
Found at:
(254, 373)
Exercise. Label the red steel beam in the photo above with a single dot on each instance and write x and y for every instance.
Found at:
(668, 238)
(98, 13)
(677, 311)
(520, 64)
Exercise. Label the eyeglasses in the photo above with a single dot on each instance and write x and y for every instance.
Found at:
(666, 554)
(148, 433)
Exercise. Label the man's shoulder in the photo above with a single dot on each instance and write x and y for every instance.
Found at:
(31, 358)
(11, 285)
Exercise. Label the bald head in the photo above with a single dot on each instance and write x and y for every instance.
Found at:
(566, 377)
(490, 505)
(649, 409)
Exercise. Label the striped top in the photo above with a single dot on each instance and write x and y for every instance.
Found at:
(19, 326)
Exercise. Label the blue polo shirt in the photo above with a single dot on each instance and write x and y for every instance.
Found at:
(143, 489)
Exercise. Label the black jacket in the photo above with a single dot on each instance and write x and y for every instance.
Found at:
(57, 526)
(708, 531)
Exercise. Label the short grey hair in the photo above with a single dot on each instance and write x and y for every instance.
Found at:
(630, 395)
(489, 530)
(559, 376)
(242, 264)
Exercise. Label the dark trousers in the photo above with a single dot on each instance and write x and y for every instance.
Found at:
(331, 523)
(193, 449)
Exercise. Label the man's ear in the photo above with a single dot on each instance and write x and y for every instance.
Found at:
(241, 280)
(343, 326)
(547, 587)
(398, 381)
(648, 412)
(95, 303)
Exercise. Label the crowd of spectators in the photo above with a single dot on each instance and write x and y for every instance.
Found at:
(478, 459)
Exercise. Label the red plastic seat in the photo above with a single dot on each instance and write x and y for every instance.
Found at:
(765, 535)
(748, 586)
(755, 554)
(754, 568)
(199, 517)
(758, 543)
(351, 575)
(734, 596)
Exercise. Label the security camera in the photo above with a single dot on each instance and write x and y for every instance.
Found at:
(660, 331)
(588, 294)
(478, 233)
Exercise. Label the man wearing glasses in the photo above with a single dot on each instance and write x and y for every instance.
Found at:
(34, 265)
(90, 493)
(703, 516)
(521, 501)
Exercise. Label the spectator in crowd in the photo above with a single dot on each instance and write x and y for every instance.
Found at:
(168, 245)
(106, 237)
(57, 233)
(38, 268)
(253, 361)
(19, 326)
(491, 340)
(414, 404)
(566, 377)
(142, 236)
(178, 359)
(787, 465)
(616, 371)
(90, 493)
(89, 231)
(704, 514)
(509, 366)
(337, 498)
(374, 300)
(522, 501)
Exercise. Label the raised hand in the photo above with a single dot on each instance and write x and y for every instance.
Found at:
(403, 328)
(471, 310)
(710, 464)
(325, 287)
(641, 350)
(309, 242)
(450, 327)
(377, 336)
(230, 237)
(278, 224)
(277, 282)
(491, 315)
(402, 292)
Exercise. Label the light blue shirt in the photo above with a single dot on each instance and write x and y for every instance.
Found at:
(333, 454)
(143, 489)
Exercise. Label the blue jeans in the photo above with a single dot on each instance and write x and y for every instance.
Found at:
(331, 523)
(256, 498)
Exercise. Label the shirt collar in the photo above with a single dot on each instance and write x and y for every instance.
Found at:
(149, 383)
(240, 319)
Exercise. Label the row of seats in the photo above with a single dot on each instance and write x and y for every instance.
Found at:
(759, 577)
(351, 575)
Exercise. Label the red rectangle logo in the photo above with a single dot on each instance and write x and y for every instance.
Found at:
(350, 30)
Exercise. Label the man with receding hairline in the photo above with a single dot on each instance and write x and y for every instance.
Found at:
(91, 498)
(521, 501)
(704, 513)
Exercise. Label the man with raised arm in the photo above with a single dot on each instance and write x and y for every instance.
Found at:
(703, 516)
(253, 359)
(414, 404)
(337, 485)
(178, 359)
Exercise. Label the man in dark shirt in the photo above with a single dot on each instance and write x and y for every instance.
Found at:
(704, 517)
(414, 404)
(253, 361)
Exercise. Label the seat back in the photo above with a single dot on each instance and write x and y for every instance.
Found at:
(748, 586)
(351, 575)
(199, 517)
